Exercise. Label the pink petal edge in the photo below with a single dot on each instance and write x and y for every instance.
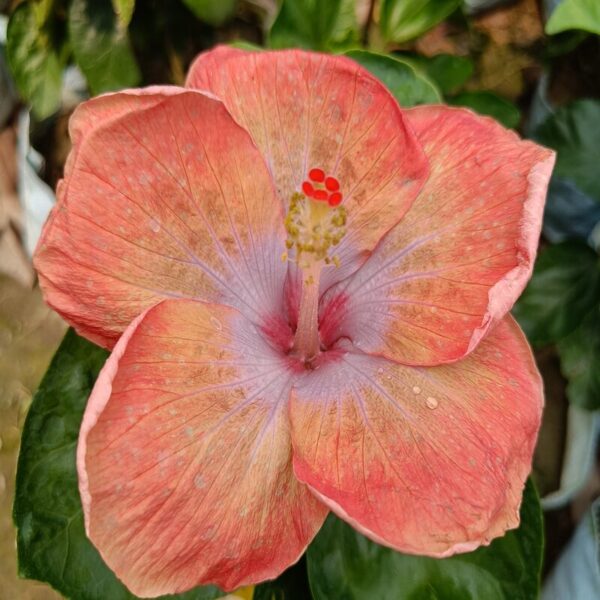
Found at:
(97, 401)
(503, 294)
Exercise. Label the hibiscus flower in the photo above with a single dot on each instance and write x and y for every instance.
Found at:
(305, 289)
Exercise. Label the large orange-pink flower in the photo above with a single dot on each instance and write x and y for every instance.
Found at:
(305, 289)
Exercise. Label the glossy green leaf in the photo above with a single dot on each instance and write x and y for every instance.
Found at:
(124, 11)
(449, 72)
(565, 286)
(488, 103)
(34, 58)
(580, 362)
(316, 24)
(573, 131)
(292, 584)
(575, 14)
(213, 12)
(409, 86)
(101, 46)
(51, 541)
(345, 565)
(403, 20)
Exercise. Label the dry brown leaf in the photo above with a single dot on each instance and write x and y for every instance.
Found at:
(518, 24)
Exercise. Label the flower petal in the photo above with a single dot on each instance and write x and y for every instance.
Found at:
(107, 107)
(427, 460)
(463, 253)
(164, 196)
(306, 110)
(184, 455)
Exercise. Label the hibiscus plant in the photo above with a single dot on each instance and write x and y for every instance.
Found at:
(292, 370)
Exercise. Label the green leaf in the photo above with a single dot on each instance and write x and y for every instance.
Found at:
(244, 45)
(449, 72)
(344, 565)
(403, 20)
(51, 541)
(488, 103)
(574, 132)
(213, 12)
(101, 46)
(124, 11)
(580, 362)
(562, 44)
(564, 288)
(43, 10)
(292, 584)
(575, 14)
(34, 58)
(409, 86)
(316, 24)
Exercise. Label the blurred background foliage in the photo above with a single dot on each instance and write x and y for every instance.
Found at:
(533, 65)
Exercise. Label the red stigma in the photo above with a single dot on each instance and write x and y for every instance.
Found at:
(317, 175)
(335, 199)
(308, 189)
(332, 184)
(322, 188)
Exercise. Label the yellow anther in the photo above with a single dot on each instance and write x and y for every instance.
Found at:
(313, 228)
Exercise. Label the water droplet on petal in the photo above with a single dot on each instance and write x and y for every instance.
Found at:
(154, 225)
(416, 389)
(431, 402)
(216, 323)
(380, 371)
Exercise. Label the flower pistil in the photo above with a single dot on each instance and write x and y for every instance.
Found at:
(315, 223)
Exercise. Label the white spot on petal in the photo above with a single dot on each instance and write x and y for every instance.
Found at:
(431, 403)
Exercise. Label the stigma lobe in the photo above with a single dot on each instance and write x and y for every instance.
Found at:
(322, 187)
